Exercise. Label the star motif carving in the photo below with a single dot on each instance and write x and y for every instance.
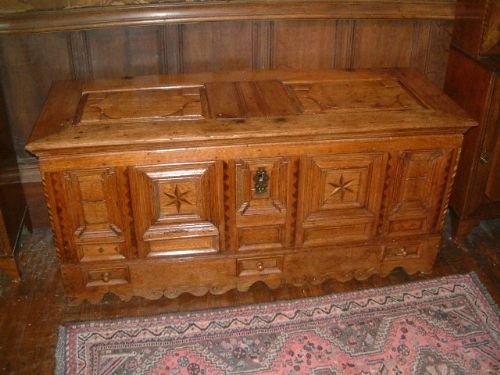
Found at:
(177, 198)
(341, 187)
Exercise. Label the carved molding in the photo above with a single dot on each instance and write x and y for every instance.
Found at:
(100, 17)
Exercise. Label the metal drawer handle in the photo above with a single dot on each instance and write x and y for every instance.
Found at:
(260, 266)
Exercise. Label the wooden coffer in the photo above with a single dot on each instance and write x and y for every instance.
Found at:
(202, 183)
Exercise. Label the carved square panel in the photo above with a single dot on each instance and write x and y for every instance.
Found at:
(339, 197)
(419, 180)
(92, 197)
(178, 208)
(347, 184)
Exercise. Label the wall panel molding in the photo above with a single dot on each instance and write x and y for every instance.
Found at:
(344, 37)
(262, 42)
(79, 53)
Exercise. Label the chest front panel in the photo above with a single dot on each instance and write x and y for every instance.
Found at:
(340, 197)
(178, 208)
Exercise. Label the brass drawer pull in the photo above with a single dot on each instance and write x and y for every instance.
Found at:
(260, 266)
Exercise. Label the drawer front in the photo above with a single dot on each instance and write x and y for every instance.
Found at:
(106, 276)
(339, 198)
(404, 251)
(178, 208)
(260, 266)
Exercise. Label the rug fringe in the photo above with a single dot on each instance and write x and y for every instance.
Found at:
(61, 352)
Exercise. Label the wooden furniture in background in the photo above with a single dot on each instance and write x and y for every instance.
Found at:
(475, 85)
(472, 80)
(477, 27)
(194, 183)
(12, 203)
(39, 47)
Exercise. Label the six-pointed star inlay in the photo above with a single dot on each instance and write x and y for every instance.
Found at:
(178, 198)
(341, 187)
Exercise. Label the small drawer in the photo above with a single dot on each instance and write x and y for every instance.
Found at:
(107, 276)
(393, 252)
(103, 251)
(260, 266)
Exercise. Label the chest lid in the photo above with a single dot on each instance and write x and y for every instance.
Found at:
(241, 106)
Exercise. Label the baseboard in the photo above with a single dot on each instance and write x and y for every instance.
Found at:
(29, 171)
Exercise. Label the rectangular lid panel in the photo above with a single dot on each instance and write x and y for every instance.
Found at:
(228, 100)
(140, 105)
(366, 95)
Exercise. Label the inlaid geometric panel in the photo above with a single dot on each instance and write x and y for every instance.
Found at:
(347, 184)
(340, 197)
(345, 188)
(140, 105)
(177, 207)
(176, 198)
(418, 182)
(351, 95)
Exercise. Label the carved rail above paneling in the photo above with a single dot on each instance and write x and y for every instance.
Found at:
(184, 12)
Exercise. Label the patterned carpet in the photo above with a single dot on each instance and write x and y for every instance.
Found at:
(443, 326)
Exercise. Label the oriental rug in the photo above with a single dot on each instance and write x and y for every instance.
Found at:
(448, 326)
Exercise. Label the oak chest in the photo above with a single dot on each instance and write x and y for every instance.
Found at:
(203, 183)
